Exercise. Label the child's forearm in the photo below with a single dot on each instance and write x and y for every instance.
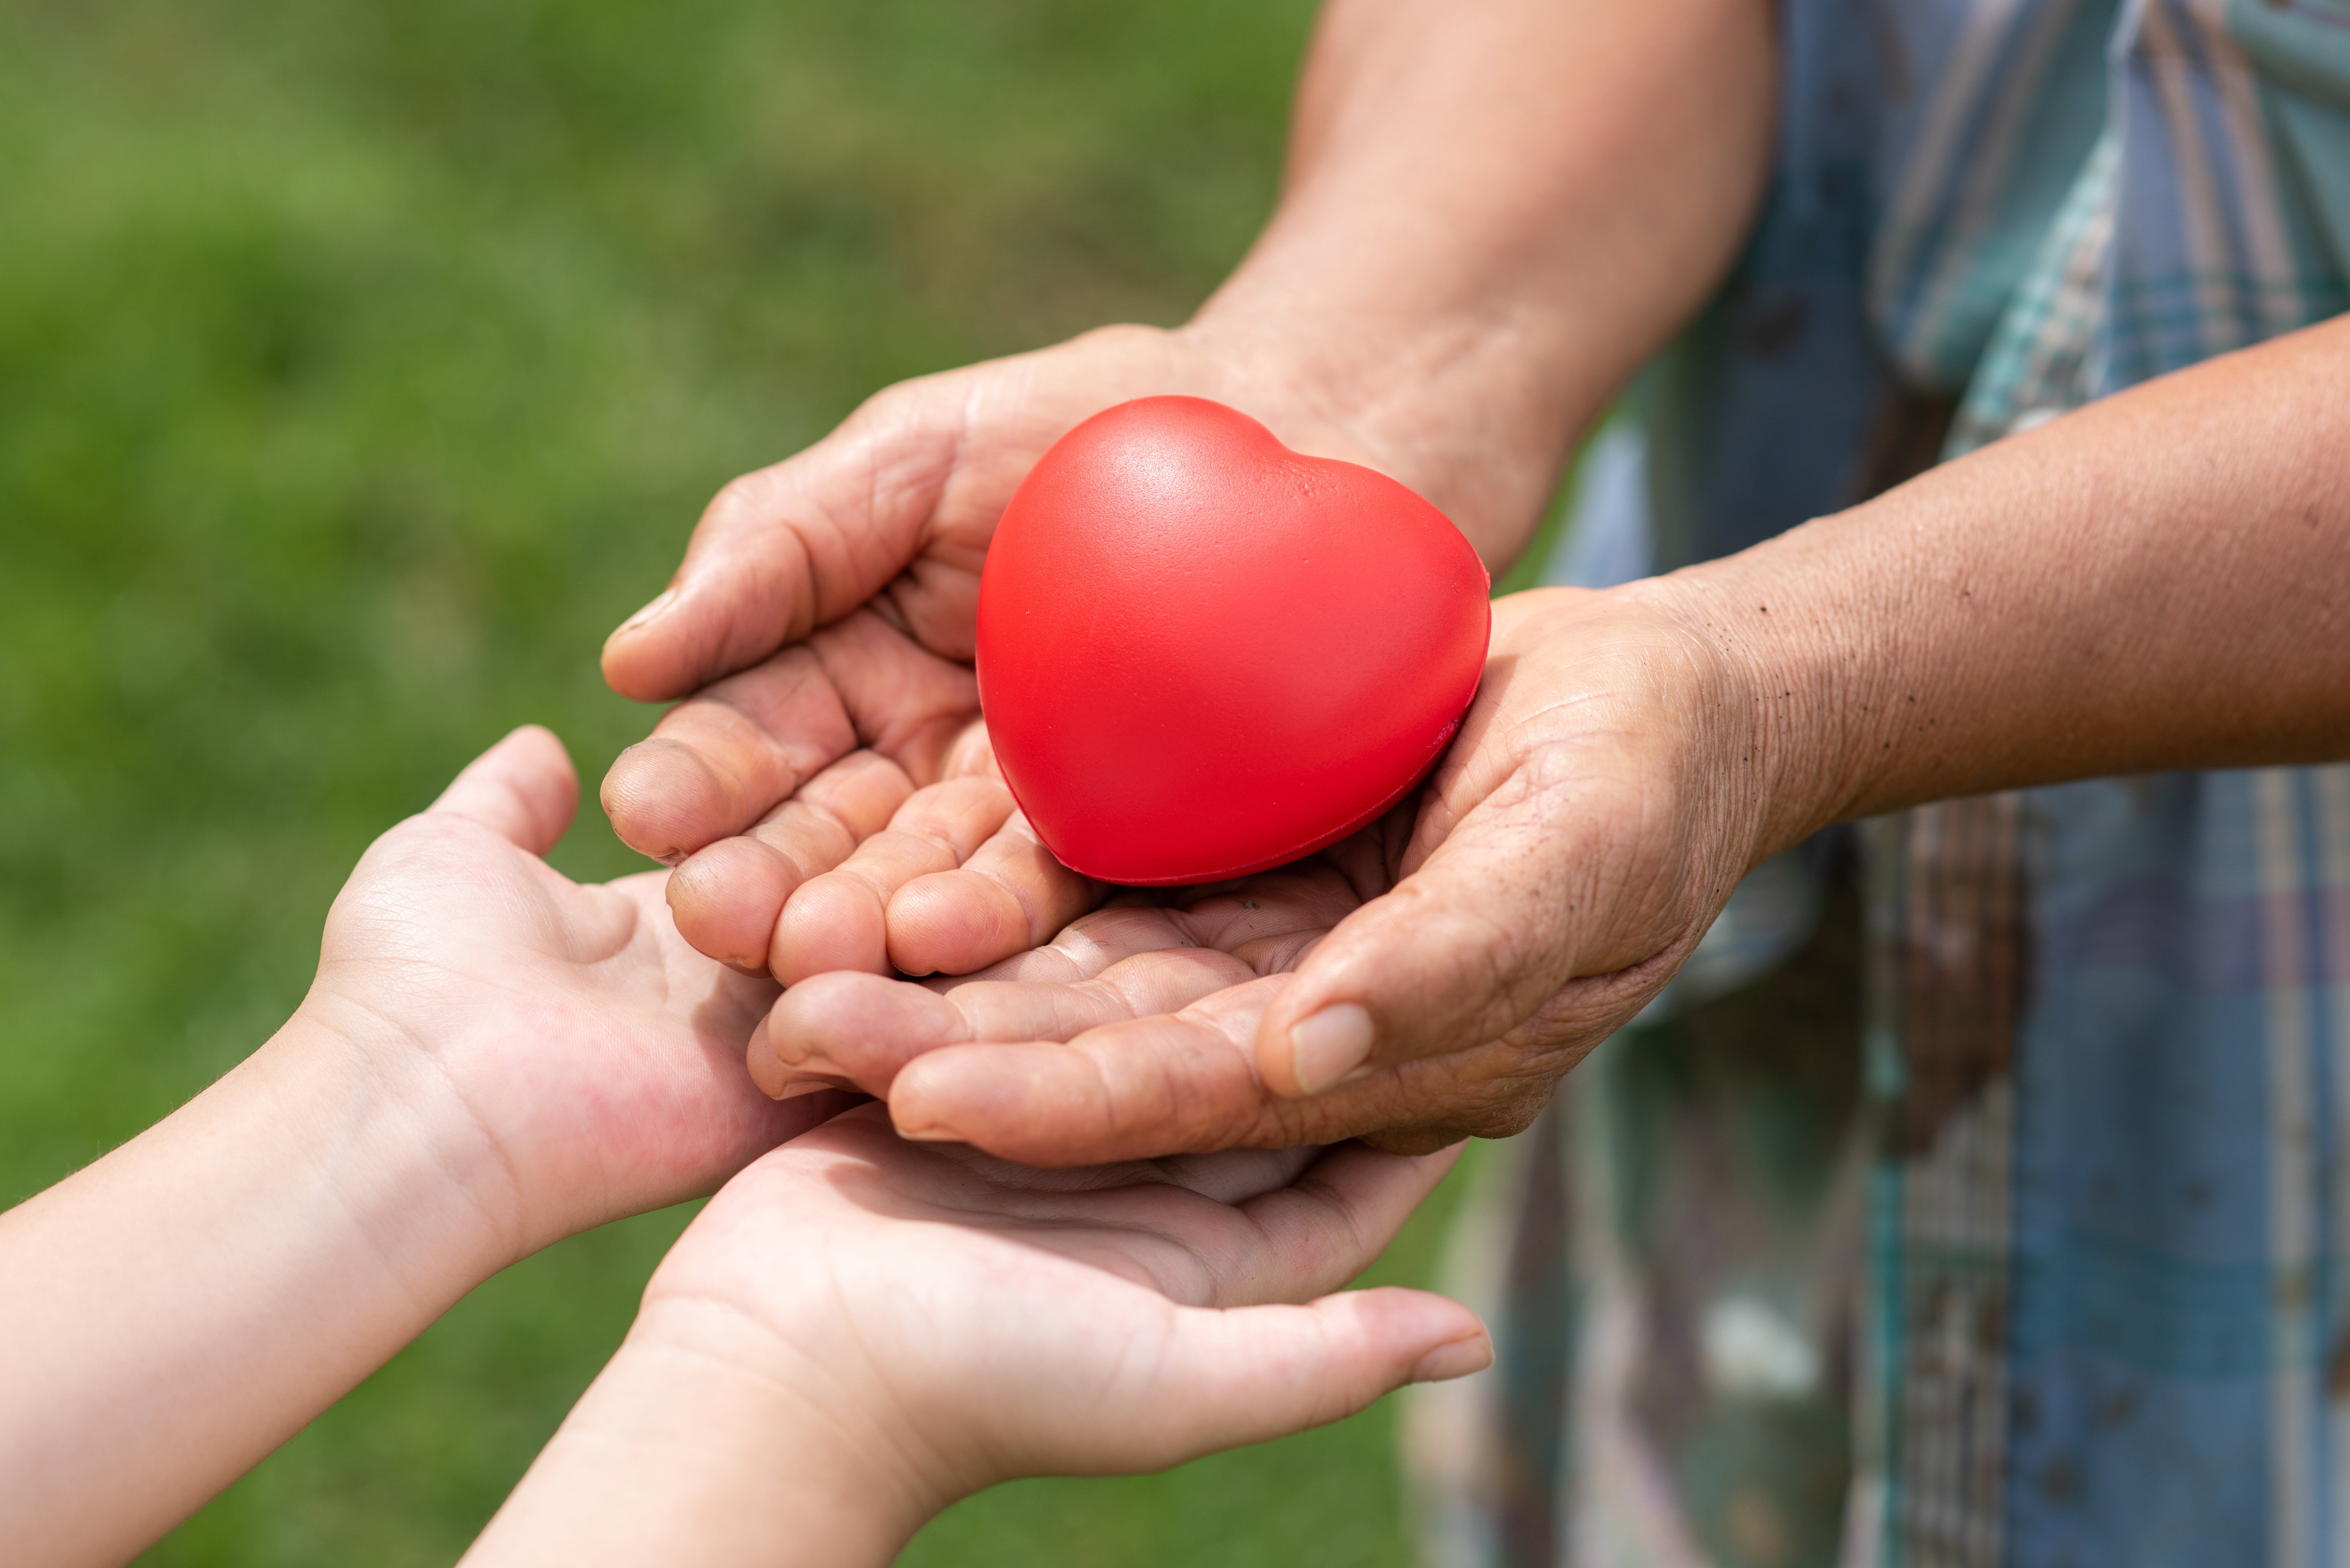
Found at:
(695, 1446)
(177, 1310)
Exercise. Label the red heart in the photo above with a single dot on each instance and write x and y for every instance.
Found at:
(1201, 654)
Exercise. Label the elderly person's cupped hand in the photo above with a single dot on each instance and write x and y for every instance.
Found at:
(1425, 979)
(2114, 592)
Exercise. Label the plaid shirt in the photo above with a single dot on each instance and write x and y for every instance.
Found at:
(2061, 1281)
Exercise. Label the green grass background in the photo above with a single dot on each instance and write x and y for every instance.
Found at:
(361, 365)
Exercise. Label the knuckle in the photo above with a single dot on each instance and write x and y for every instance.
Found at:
(742, 499)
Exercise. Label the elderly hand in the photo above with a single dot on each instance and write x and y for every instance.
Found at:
(829, 603)
(572, 1057)
(1427, 979)
(1458, 275)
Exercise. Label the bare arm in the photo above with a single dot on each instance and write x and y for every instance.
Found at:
(1493, 214)
(492, 1059)
(2160, 580)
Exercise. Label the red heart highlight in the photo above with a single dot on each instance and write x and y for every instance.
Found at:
(1201, 654)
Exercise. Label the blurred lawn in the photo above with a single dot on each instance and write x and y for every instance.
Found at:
(359, 367)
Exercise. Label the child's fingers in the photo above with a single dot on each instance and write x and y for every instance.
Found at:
(1330, 1224)
(1010, 895)
(1246, 1374)
(864, 1028)
(837, 921)
(522, 788)
(726, 897)
(1285, 1225)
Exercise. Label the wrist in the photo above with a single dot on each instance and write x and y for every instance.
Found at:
(1469, 410)
(1784, 691)
(381, 1121)
(212, 1285)
(708, 1440)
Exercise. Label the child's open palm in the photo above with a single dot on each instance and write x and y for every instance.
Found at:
(859, 1330)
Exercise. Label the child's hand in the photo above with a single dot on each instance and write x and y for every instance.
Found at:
(577, 1061)
(491, 1057)
(858, 1331)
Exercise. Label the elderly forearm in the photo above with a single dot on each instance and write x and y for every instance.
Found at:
(1495, 211)
(2159, 580)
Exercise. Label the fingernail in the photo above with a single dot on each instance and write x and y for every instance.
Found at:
(799, 1087)
(931, 1134)
(1328, 1045)
(661, 602)
(1458, 1359)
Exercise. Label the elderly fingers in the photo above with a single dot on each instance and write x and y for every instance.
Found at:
(1179, 1083)
(863, 1029)
(837, 921)
(726, 897)
(1010, 895)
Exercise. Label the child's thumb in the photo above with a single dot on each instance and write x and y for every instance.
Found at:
(1246, 1374)
(522, 789)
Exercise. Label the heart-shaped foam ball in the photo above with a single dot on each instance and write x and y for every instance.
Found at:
(1201, 654)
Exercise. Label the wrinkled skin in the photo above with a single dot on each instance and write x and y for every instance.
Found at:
(823, 617)
(835, 820)
(1465, 263)
(1156, 1022)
